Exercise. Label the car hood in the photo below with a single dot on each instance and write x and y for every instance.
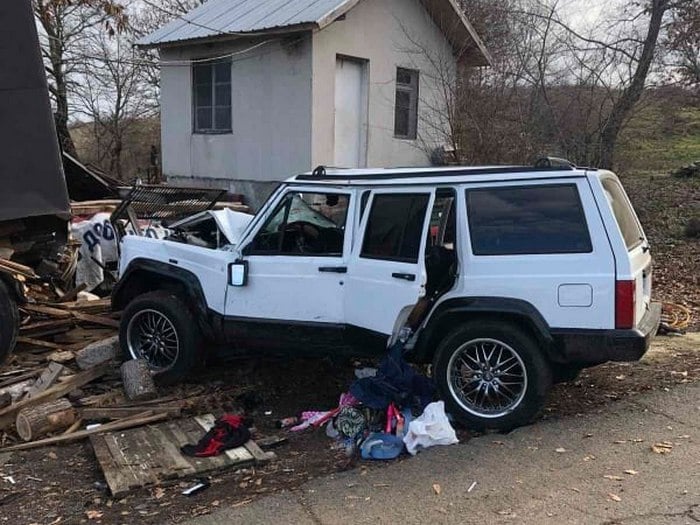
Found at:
(231, 223)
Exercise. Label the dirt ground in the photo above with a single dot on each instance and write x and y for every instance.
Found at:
(65, 485)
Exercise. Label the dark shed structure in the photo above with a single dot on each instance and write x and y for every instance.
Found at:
(32, 183)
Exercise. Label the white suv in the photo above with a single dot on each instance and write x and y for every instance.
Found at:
(527, 275)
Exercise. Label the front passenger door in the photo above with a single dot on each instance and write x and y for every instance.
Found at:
(387, 273)
(297, 261)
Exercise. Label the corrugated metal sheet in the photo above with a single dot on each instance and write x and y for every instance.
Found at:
(217, 17)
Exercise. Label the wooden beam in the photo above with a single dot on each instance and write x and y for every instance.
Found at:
(143, 419)
(118, 412)
(96, 319)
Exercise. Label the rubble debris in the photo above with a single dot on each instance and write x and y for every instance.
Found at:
(98, 352)
(137, 380)
(8, 414)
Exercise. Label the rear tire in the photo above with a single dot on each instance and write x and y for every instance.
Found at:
(9, 322)
(492, 375)
(160, 328)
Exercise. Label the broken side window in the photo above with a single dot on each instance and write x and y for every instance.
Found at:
(304, 224)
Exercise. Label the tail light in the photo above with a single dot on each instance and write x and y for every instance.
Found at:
(625, 302)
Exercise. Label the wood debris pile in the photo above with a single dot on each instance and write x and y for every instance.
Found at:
(65, 382)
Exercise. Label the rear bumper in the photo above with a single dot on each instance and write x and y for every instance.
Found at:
(592, 347)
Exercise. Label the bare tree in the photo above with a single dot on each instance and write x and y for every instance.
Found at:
(629, 96)
(112, 94)
(683, 43)
(63, 23)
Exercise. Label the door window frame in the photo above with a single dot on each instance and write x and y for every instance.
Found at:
(360, 238)
(273, 206)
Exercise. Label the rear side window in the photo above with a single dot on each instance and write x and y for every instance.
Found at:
(624, 215)
(527, 220)
(395, 227)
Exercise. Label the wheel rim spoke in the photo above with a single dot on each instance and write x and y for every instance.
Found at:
(152, 336)
(487, 377)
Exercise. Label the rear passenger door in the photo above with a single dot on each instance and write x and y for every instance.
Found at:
(386, 273)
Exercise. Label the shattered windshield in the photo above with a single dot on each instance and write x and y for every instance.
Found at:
(301, 211)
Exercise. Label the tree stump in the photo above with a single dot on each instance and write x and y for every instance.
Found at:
(33, 422)
(137, 380)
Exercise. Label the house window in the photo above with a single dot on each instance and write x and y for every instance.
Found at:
(406, 107)
(212, 97)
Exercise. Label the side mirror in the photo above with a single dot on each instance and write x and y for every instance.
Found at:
(238, 273)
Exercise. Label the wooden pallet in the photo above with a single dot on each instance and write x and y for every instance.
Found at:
(149, 455)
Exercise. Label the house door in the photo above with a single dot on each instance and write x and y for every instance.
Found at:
(350, 113)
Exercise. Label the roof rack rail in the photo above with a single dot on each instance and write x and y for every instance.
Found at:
(553, 162)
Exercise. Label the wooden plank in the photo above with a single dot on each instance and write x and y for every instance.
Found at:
(114, 476)
(176, 462)
(8, 414)
(259, 454)
(112, 412)
(40, 326)
(47, 310)
(13, 267)
(38, 342)
(89, 307)
(18, 379)
(147, 455)
(76, 436)
(47, 378)
(96, 319)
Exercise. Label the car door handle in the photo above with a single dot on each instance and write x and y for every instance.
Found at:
(405, 276)
(333, 269)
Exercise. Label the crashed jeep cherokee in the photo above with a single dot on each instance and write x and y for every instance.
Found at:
(526, 276)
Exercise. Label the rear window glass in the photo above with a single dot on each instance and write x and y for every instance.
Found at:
(527, 220)
(395, 227)
(624, 215)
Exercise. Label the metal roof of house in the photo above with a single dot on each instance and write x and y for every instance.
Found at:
(232, 18)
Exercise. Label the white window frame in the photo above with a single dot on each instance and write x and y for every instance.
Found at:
(412, 88)
(214, 106)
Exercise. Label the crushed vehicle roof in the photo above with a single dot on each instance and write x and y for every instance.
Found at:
(431, 175)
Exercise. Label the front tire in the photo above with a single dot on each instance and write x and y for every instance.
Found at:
(492, 375)
(9, 322)
(160, 328)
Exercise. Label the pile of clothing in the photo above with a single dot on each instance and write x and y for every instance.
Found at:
(376, 417)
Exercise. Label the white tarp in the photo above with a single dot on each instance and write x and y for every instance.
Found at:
(98, 246)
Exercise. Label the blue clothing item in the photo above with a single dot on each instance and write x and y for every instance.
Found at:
(379, 445)
(396, 381)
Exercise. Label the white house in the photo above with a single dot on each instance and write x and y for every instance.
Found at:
(253, 91)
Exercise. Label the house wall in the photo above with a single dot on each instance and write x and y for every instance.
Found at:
(271, 106)
(387, 33)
